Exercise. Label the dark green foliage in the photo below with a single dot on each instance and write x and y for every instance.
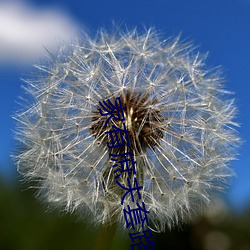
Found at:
(26, 226)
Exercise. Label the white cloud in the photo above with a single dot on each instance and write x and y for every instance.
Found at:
(25, 31)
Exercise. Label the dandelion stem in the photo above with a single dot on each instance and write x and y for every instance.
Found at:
(105, 236)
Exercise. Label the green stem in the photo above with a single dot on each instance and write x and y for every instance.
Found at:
(105, 236)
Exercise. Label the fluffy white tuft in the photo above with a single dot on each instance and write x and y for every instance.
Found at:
(184, 168)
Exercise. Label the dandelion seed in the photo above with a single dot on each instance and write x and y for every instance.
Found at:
(179, 118)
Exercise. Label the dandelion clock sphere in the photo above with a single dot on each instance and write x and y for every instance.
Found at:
(179, 118)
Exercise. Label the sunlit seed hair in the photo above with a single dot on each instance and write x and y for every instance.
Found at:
(181, 123)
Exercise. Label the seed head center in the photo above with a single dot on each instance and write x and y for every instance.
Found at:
(141, 119)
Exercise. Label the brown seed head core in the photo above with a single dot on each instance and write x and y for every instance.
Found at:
(142, 119)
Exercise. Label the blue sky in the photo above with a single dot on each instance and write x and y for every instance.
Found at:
(221, 27)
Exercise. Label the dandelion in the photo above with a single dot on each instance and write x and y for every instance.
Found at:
(180, 121)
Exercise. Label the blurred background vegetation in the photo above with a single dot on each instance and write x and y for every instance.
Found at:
(26, 225)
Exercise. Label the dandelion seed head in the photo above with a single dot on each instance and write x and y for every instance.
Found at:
(180, 119)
